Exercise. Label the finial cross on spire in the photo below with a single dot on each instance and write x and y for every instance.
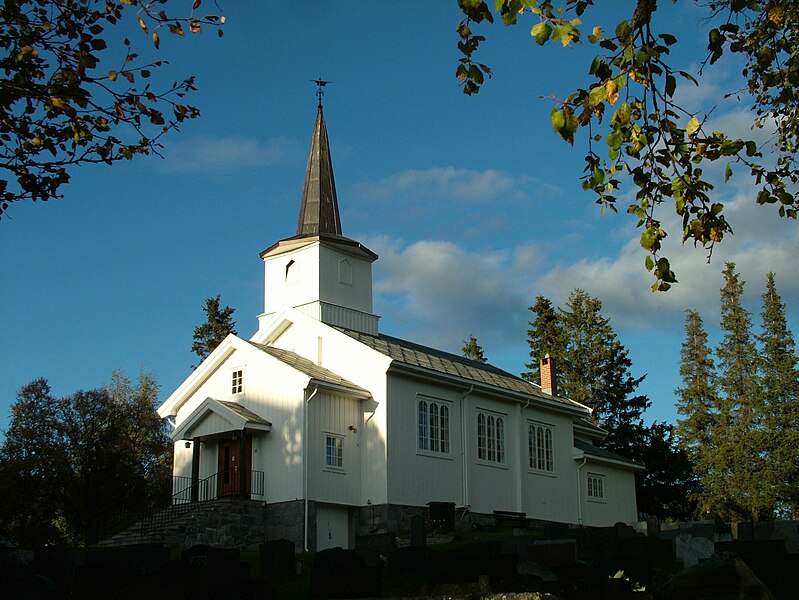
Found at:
(320, 83)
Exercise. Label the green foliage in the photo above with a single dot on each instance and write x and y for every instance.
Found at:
(697, 401)
(593, 368)
(662, 147)
(472, 350)
(595, 371)
(75, 468)
(60, 104)
(668, 488)
(780, 387)
(545, 336)
(219, 323)
(739, 421)
(741, 466)
(32, 459)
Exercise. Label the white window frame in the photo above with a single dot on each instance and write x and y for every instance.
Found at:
(595, 487)
(433, 427)
(491, 438)
(237, 381)
(541, 447)
(334, 461)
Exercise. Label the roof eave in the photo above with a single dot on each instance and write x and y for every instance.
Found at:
(462, 382)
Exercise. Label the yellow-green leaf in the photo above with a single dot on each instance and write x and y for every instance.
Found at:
(693, 126)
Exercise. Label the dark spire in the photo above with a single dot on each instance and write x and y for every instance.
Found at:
(319, 206)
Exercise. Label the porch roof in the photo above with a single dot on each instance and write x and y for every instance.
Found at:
(232, 417)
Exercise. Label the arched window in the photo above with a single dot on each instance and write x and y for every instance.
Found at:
(490, 437)
(423, 425)
(433, 432)
(540, 452)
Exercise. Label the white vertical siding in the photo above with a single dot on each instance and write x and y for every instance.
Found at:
(550, 495)
(415, 476)
(341, 417)
(618, 504)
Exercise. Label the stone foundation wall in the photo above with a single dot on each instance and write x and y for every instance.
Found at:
(226, 523)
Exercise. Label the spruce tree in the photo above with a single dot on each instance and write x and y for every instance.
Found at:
(698, 404)
(780, 386)
(595, 371)
(218, 324)
(740, 479)
(545, 336)
(472, 350)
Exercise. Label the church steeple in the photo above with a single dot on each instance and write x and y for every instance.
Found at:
(318, 271)
(319, 206)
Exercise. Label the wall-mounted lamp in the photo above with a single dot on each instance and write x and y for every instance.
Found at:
(188, 444)
(353, 429)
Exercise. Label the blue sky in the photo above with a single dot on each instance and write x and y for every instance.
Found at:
(473, 204)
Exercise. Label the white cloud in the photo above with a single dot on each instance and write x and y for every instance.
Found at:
(466, 185)
(222, 155)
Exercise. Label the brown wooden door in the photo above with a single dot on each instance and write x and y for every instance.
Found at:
(230, 465)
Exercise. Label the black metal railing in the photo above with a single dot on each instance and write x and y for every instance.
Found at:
(187, 497)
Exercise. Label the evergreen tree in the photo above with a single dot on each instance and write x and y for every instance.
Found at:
(698, 405)
(593, 368)
(668, 488)
(595, 371)
(741, 471)
(545, 336)
(472, 350)
(780, 385)
(218, 324)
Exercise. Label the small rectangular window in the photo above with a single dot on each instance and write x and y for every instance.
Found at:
(237, 382)
(596, 486)
(334, 451)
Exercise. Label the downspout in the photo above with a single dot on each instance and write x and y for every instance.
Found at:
(579, 493)
(305, 464)
(465, 450)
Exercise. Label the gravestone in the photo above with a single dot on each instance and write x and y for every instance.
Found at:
(418, 533)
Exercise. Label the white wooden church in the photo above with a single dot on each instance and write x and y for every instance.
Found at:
(341, 429)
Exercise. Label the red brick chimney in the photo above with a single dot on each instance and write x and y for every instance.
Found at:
(549, 377)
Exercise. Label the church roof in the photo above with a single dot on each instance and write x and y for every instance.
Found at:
(319, 206)
(314, 371)
(445, 363)
(601, 453)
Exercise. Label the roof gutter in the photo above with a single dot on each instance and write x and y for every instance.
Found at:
(573, 408)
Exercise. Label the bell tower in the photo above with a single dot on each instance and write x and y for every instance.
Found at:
(319, 271)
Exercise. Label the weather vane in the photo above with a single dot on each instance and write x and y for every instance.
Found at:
(319, 91)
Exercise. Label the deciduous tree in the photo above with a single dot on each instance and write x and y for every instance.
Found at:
(637, 130)
(32, 467)
(76, 468)
(69, 97)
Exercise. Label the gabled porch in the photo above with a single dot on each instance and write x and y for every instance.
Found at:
(220, 434)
